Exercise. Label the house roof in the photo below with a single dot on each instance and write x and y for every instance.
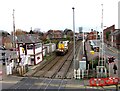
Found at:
(116, 32)
(26, 38)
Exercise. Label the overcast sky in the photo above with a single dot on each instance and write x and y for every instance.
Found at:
(57, 14)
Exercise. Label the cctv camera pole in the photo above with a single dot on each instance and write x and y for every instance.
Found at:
(74, 42)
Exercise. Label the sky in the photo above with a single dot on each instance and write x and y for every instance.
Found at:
(57, 14)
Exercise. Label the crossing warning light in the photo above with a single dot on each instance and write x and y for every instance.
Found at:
(111, 59)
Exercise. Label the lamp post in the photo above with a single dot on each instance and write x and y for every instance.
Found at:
(74, 41)
(83, 43)
(102, 36)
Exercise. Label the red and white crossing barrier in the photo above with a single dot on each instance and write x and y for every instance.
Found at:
(103, 81)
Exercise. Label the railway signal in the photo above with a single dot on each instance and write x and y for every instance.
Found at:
(111, 59)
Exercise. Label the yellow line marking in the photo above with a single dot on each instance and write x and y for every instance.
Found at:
(45, 84)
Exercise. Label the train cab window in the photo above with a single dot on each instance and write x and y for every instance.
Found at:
(61, 42)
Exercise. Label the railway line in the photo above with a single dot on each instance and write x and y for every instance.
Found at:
(70, 71)
(58, 67)
(62, 73)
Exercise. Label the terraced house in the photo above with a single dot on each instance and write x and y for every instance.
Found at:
(111, 36)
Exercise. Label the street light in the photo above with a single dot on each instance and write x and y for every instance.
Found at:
(74, 41)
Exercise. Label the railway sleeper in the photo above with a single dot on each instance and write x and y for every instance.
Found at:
(39, 73)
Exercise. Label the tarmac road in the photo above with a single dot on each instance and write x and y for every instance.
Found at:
(47, 84)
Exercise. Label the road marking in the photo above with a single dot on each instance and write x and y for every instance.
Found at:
(111, 86)
(66, 86)
(112, 50)
(9, 81)
(74, 86)
(45, 84)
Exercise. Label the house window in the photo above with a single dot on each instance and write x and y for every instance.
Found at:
(30, 46)
(38, 45)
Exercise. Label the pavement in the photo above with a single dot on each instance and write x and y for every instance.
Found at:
(112, 50)
(88, 49)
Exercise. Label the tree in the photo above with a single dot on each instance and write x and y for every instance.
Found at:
(37, 31)
(31, 32)
(19, 32)
(66, 31)
(69, 33)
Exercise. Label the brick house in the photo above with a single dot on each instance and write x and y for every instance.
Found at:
(116, 41)
(7, 41)
(106, 35)
(111, 36)
(92, 35)
(54, 34)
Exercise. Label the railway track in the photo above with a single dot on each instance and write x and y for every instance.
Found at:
(70, 72)
(42, 70)
(57, 67)
(62, 73)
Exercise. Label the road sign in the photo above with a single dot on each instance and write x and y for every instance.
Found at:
(82, 65)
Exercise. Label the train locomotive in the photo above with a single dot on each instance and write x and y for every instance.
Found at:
(62, 48)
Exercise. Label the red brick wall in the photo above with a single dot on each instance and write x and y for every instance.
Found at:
(108, 29)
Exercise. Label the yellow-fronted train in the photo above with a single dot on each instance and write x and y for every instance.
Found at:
(62, 48)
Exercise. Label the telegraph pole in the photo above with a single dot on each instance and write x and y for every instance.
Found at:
(14, 44)
(74, 42)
